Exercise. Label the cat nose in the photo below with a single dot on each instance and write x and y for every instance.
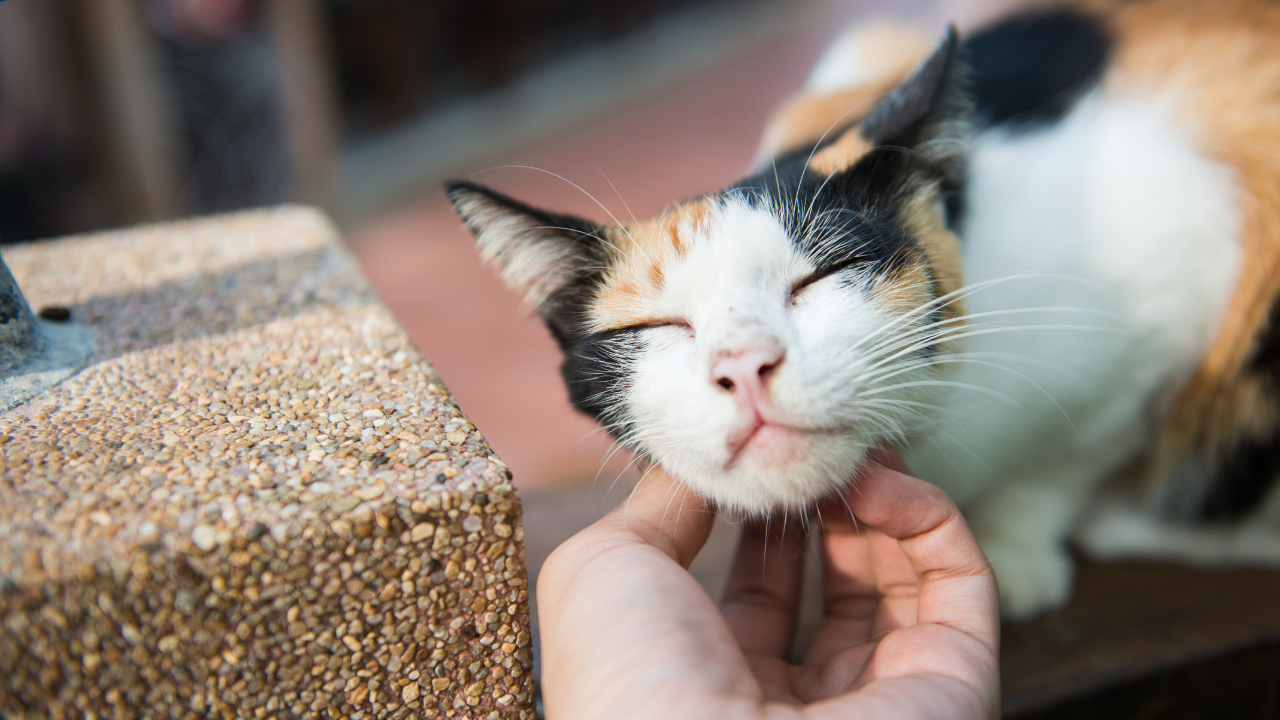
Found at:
(747, 373)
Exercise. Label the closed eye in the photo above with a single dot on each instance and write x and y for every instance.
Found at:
(804, 283)
(816, 275)
(812, 278)
(677, 323)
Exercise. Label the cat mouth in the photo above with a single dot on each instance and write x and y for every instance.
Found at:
(770, 442)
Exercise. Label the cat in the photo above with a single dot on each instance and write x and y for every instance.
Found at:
(1032, 259)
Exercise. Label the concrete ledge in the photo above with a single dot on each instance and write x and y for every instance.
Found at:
(257, 500)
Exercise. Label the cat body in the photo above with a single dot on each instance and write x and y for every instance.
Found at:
(1030, 259)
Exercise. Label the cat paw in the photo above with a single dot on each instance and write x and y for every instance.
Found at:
(1033, 577)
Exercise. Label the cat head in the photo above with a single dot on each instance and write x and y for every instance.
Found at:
(757, 342)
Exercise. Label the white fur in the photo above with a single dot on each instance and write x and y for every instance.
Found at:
(732, 288)
(1100, 253)
(1116, 200)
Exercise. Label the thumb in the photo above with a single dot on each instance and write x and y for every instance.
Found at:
(666, 514)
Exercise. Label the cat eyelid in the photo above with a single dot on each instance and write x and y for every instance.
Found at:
(820, 274)
(660, 323)
(814, 277)
(805, 282)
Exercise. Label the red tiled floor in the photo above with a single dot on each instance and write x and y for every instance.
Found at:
(501, 364)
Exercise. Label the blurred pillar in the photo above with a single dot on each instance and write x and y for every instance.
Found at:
(35, 71)
(138, 118)
(310, 107)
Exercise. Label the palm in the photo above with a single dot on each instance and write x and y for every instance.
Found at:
(910, 628)
(869, 631)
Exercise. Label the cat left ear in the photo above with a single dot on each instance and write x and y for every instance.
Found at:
(537, 253)
(929, 111)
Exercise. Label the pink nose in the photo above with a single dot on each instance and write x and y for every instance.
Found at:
(746, 374)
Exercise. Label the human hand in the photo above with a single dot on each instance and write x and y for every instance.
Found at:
(911, 627)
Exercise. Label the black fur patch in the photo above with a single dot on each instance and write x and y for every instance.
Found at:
(1266, 352)
(595, 367)
(903, 115)
(1029, 69)
(1244, 479)
(847, 220)
(844, 220)
(596, 374)
(564, 309)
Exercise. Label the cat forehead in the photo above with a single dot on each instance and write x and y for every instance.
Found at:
(721, 248)
(709, 247)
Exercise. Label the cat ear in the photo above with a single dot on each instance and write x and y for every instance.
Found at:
(537, 253)
(929, 111)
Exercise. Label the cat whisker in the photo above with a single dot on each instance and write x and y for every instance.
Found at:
(945, 383)
(951, 358)
(615, 192)
(969, 317)
(967, 332)
(964, 292)
(593, 199)
(1036, 385)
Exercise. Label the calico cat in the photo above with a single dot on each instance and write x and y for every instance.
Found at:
(1032, 259)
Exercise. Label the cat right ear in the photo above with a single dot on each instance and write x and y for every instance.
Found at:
(929, 111)
(537, 253)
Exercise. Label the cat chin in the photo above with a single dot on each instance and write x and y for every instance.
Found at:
(783, 470)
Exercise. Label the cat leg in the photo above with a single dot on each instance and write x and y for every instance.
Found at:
(1022, 525)
(1119, 527)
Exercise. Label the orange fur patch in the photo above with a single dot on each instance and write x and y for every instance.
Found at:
(1221, 61)
(937, 271)
(892, 52)
(840, 154)
(904, 291)
(629, 293)
(925, 217)
(807, 117)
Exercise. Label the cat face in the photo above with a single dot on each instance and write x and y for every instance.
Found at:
(759, 341)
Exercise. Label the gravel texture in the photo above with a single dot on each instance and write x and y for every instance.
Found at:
(257, 500)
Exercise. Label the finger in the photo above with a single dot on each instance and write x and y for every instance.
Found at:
(955, 584)
(621, 618)
(848, 583)
(895, 578)
(848, 544)
(897, 584)
(662, 512)
(761, 596)
(889, 457)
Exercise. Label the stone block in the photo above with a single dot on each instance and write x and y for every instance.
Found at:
(257, 500)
